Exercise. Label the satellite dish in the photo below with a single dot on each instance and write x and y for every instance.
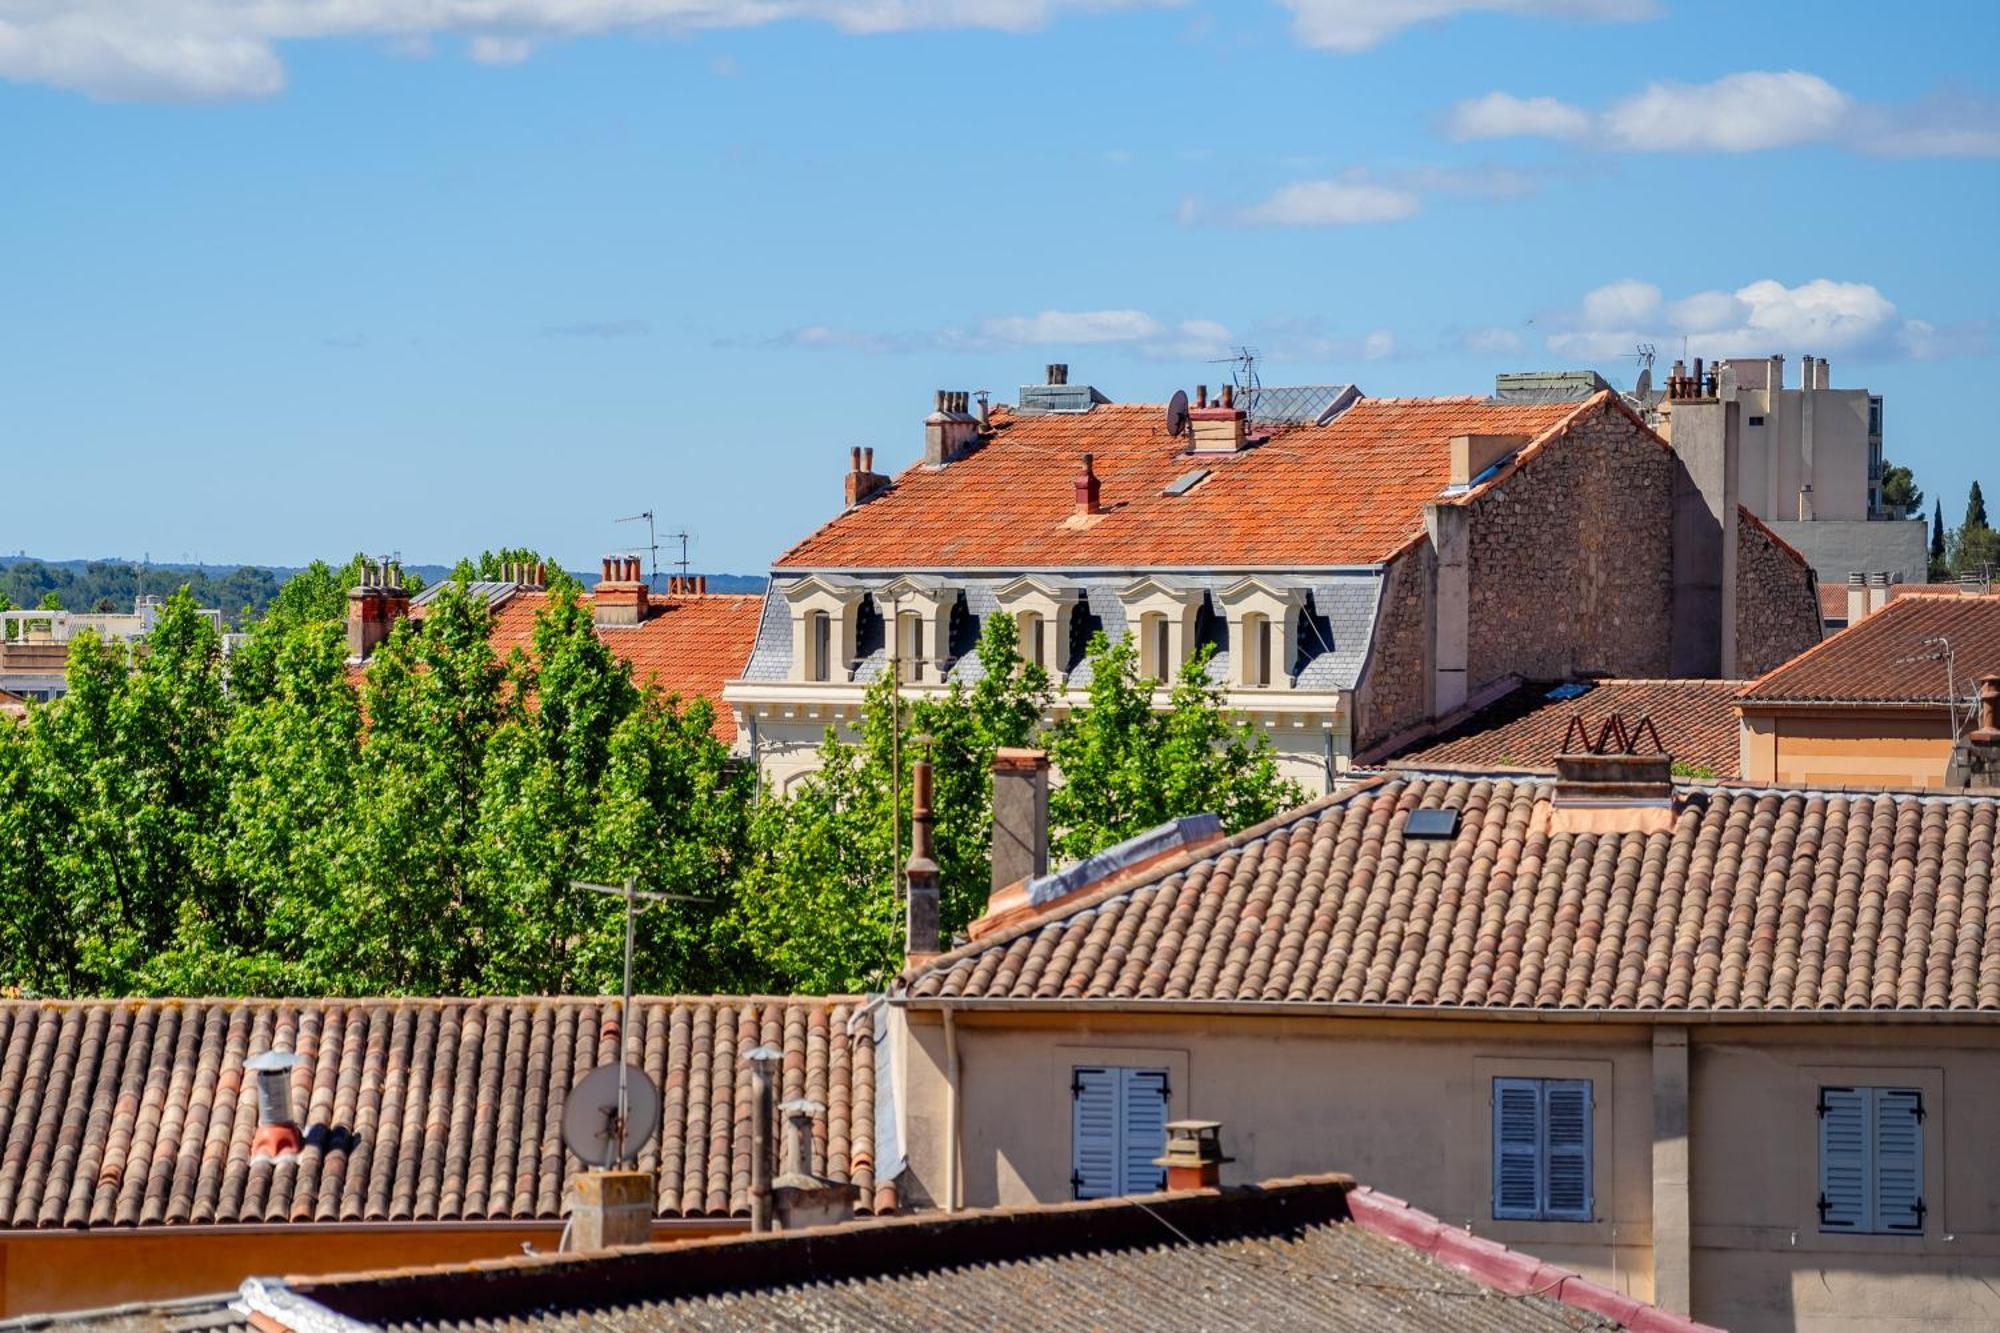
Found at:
(590, 1115)
(1177, 413)
(1645, 383)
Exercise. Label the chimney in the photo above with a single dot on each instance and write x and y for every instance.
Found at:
(620, 598)
(1820, 374)
(1878, 590)
(1473, 454)
(1857, 597)
(1805, 503)
(863, 481)
(1058, 372)
(1605, 785)
(949, 429)
(800, 1196)
(374, 607)
(921, 931)
(277, 1131)
(1087, 489)
(610, 1208)
(1194, 1155)
(1020, 815)
(1218, 429)
(1707, 445)
(764, 1062)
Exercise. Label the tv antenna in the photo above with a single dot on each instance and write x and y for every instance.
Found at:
(652, 543)
(616, 1108)
(1941, 651)
(1644, 354)
(1243, 371)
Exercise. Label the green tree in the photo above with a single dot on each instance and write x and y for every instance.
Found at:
(1940, 563)
(1126, 767)
(492, 565)
(410, 918)
(818, 908)
(1975, 508)
(1900, 491)
(53, 601)
(1975, 550)
(129, 787)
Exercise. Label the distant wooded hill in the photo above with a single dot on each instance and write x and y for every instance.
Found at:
(240, 591)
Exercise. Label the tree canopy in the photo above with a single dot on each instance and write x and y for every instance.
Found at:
(278, 823)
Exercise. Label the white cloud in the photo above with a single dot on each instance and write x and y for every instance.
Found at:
(1762, 318)
(1742, 113)
(1072, 326)
(1738, 113)
(1505, 116)
(1490, 341)
(1379, 345)
(1356, 25)
(215, 50)
(1332, 203)
(489, 49)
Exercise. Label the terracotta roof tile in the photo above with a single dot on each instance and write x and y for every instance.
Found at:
(123, 1113)
(1756, 900)
(1347, 493)
(1525, 729)
(688, 646)
(1886, 657)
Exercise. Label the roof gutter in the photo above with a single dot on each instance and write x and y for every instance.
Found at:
(966, 1004)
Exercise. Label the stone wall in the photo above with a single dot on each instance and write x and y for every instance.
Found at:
(1777, 603)
(1394, 693)
(1572, 559)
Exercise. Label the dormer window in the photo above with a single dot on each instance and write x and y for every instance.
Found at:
(1164, 614)
(922, 607)
(910, 647)
(1042, 611)
(1263, 632)
(825, 613)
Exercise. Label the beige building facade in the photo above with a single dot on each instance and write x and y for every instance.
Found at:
(1720, 1221)
(1728, 1050)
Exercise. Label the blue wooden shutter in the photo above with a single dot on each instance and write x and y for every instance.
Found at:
(1899, 1159)
(1844, 1167)
(1144, 1121)
(1517, 1148)
(1566, 1193)
(1094, 1133)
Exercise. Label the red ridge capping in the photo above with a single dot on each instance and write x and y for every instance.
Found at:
(1511, 1271)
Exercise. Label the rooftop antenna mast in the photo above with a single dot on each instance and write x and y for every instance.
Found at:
(652, 543)
(1242, 374)
(1644, 354)
(1941, 651)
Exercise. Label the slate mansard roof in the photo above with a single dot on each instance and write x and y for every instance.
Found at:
(1756, 901)
(1350, 492)
(137, 1113)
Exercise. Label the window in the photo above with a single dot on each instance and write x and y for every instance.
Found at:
(1118, 1125)
(910, 647)
(1756, 421)
(1541, 1149)
(1263, 676)
(1871, 1160)
(819, 663)
(1029, 623)
(1162, 651)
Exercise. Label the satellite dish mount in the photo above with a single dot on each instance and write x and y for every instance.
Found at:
(1177, 413)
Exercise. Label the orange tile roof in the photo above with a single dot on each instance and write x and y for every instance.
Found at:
(688, 646)
(1892, 656)
(1347, 493)
(1756, 900)
(1526, 729)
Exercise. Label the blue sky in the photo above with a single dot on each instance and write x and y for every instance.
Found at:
(298, 278)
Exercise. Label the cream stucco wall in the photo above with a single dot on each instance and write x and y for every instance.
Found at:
(1404, 1104)
(1851, 747)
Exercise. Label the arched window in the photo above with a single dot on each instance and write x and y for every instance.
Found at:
(1256, 650)
(910, 646)
(1156, 648)
(819, 646)
(1034, 634)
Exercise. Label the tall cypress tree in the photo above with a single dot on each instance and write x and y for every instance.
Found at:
(1975, 509)
(1940, 568)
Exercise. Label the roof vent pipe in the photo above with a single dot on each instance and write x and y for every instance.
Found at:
(1058, 372)
(277, 1131)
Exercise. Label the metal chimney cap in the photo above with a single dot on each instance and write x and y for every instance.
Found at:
(766, 1056)
(803, 1106)
(273, 1062)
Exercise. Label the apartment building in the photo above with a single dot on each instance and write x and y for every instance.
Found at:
(1360, 566)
